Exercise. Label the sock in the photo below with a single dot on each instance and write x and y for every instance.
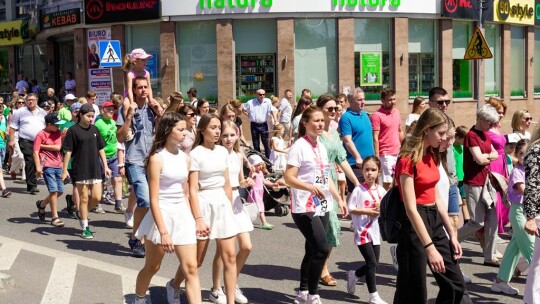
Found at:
(84, 224)
(117, 203)
(373, 295)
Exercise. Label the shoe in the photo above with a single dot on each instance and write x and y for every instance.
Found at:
(33, 190)
(98, 210)
(393, 249)
(499, 240)
(498, 255)
(41, 211)
(313, 299)
(217, 296)
(138, 300)
(267, 226)
(494, 263)
(352, 279)
(87, 234)
(13, 175)
(239, 296)
(70, 207)
(374, 298)
(6, 193)
(120, 209)
(128, 217)
(466, 278)
(328, 280)
(138, 249)
(504, 288)
(301, 297)
(173, 294)
(77, 215)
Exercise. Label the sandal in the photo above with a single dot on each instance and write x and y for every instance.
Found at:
(41, 211)
(57, 222)
(328, 281)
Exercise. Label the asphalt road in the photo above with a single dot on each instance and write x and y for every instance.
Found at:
(45, 264)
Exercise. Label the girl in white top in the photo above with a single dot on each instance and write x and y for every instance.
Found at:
(278, 154)
(364, 206)
(307, 174)
(230, 136)
(211, 197)
(419, 104)
(169, 226)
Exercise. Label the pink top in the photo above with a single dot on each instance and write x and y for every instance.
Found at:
(49, 159)
(387, 123)
(256, 192)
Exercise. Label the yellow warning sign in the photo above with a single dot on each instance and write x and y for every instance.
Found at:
(478, 47)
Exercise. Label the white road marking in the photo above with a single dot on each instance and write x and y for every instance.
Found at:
(9, 251)
(61, 281)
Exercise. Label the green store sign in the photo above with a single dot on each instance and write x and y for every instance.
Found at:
(204, 4)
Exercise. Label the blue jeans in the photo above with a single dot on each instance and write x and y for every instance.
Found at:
(259, 131)
(454, 201)
(137, 177)
(53, 179)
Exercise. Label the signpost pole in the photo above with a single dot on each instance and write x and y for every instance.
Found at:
(479, 61)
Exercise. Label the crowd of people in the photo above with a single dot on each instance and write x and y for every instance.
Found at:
(186, 168)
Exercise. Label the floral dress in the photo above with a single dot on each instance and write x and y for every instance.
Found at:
(336, 155)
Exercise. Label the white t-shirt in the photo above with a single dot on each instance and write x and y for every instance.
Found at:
(234, 163)
(411, 118)
(211, 165)
(310, 160)
(366, 228)
(286, 111)
(443, 186)
(270, 118)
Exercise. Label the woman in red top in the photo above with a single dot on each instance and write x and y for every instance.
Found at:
(422, 238)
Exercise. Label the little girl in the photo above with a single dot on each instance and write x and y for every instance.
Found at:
(364, 207)
(279, 148)
(135, 66)
(256, 192)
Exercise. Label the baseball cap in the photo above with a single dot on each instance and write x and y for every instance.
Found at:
(70, 97)
(85, 108)
(139, 53)
(52, 118)
(255, 160)
(75, 107)
(108, 104)
(45, 105)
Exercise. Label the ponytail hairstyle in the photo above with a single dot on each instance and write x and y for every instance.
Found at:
(164, 128)
(306, 116)
(201, 127)
(225, 124)
(128, 64)
(176, 101)
(520, 144)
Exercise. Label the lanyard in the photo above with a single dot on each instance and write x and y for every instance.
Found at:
(317, 157)
(371, 193)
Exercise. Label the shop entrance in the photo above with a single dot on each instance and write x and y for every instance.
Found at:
(64, 62)
(254, 71)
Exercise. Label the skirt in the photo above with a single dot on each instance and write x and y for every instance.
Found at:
(531, 295)
(241, 215)
(178, 220)
(217, 212)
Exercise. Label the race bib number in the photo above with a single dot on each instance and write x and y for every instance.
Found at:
(321, 181)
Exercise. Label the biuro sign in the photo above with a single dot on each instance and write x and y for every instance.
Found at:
(11, 33)
(514, 11)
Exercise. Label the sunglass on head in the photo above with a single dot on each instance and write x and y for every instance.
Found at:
(332, 109)
(444, 101)
(528, 118)
(191, 114)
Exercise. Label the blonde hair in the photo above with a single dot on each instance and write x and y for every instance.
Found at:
(413, 145)
(516, 119)
(82, 100)
(277, 128)
(225, 124)
(128, 63)
(274, 99)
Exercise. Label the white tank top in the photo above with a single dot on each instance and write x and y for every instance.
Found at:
(173, 174)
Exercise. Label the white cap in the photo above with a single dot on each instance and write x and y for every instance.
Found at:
(255, 159)
(70, 97)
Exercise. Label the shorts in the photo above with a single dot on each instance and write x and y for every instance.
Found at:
(53, 179)
(388, 163)
(137, 177)
(461, 187)
(2, 155)
(91, 181)
(454, 201)
(112, 163)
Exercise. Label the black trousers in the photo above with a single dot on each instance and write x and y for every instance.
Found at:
(371, 255)
(412, 260)
(317, 249)
(27, 149)
(259, 132)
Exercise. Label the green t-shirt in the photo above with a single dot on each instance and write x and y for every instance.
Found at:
(107, 128)
(64, 114)
(458, 153)
(63, 127)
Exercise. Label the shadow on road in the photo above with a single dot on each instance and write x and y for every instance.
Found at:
(272, 272)
(97, 246)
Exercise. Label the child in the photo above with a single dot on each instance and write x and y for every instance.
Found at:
(271, 118)
(3, 134)
(257, 189)
(279, 148)
(86, 144)
(461, 131)
(364, 207)
(135, 66)
(47, 152)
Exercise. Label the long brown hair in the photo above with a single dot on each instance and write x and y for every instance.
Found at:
(225, 123)
(306, 115)
(176, 101)
(164, 128)
(413, 145)
(201, 127)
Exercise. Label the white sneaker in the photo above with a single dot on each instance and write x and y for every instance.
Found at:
(217, 296)
(394, 257)
(504, 288)
(522, 266)
(128, 217)
(173, 294)
(138, 300)
(376, 299)
(313, 299)
(499, 240)
(351, 281)
(301, 297)
(466, 278)
(239, 296)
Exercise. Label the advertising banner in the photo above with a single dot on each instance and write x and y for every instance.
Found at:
(61, 18)
(370, 69)
(13, 32)
(113, 11)
(514, 11)
(99, 79)
(466, 9)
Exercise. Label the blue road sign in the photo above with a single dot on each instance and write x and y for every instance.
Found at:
(110, 54)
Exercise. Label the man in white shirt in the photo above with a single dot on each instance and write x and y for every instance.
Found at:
(285, 110)
(28, 121)
(257, 110)
(192, 95)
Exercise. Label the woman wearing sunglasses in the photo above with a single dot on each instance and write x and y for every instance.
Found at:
(521, 123)
(191, 120)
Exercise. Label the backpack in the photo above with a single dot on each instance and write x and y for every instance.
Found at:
(390, 213)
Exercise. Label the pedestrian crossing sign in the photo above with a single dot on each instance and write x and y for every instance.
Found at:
(109, 51)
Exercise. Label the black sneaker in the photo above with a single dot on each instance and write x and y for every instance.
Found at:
(70, 206)
(33, 190)
(138, 248)
(6, 193)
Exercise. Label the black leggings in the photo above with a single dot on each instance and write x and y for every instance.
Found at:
(317, 249)
(371, 254)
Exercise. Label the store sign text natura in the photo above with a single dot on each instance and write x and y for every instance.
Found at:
(268, 3)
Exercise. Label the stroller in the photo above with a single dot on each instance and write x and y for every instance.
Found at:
(274, 198)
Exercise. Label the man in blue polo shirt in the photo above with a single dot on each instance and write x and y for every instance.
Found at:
(357, 134)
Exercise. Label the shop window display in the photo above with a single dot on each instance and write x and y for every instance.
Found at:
(493, 66)
(422, 55)
(517, 61)
(462, 70)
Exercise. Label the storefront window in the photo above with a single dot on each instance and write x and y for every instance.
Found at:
(537, 61)
(146, 36)
(493, 65)
(32, 63)
(422, 54)
(372, 36)
(198, 57)
(517, 62)
(4, 80)
(462, 70)
(315, 56)
(255, 61)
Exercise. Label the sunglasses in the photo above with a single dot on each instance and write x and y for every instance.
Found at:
(260, 94)
(20, 102)
(441, 102)
(528, 118)
(332, 109)
(191, 114)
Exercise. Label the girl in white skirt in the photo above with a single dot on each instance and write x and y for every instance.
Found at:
(211, 200)
(170, 225)
(230, 140)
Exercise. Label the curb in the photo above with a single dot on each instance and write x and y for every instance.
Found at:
(6, 281)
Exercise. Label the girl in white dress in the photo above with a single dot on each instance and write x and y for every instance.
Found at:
(169, 226)
(278, 154)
